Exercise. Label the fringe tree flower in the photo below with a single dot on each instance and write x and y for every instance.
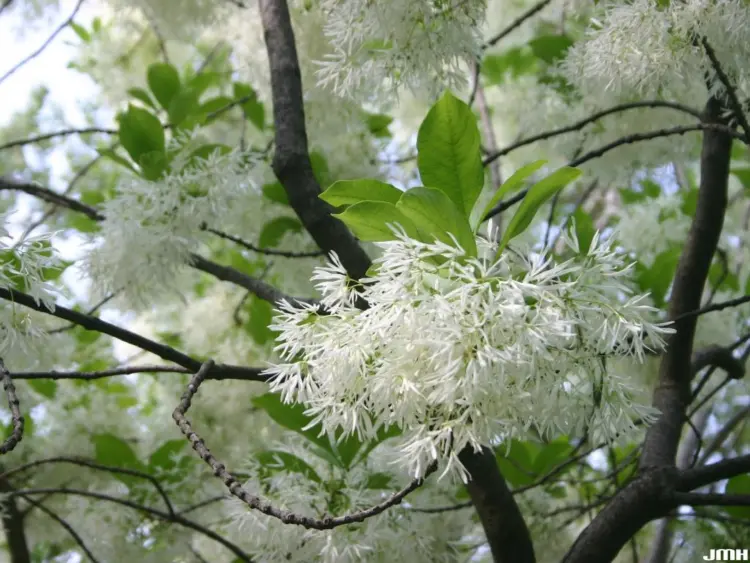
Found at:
(459, 352)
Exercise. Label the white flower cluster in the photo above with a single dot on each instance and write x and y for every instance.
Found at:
(25, 266)
(458, 351)
(397, 534)
(641, 49)
(152, 227)
(420, 44)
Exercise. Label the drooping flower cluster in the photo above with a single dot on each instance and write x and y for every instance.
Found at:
(152, 227)
(459, 352)
(25, 266)
(419, 44)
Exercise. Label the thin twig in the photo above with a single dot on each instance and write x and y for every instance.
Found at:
(516, 23)
(266, 251)
(731, 92)
(56, 134)
(45, 44)
(17, 418)
(254, 502)
(94, 375)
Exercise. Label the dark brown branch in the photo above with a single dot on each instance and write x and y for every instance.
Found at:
(165, 516)
(76, 537)
(258, 287)
(515, 24)
(673, 394)
(156, 348)
(93, 375)
(257, 503)
(711, 499)
(578, 125)
(502, 521)
(13, 526)
(697, 477)
(291, 160)
(44, 45)
(731, 92)
(98, 466)
(651, 494)
(16, 434)
(225, 273)
(629, 139)
(715, 307)
(55, 134)
(266, 251)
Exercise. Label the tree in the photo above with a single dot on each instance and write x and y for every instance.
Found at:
(430, 280)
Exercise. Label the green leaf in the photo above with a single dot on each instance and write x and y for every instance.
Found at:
(378, 481)
(585, 230)
(153, 165)
(347, 450)
(276, 192)
(739, 485)
(260, 313)
(743, 175)
(320, 168)
(378, 124)
(113, 451)
(164, 82)
(349, 192)
(251, 107)
(293, 417)
(141, 95)
(273, 231)
(46, 387)
(183, 105)
(449, 158)
(538, 194)
(551, 455)
(114, 157)
(81, 32)
(140, 132)
(215, 104)
(163, 456)
(435, 215)
(279, 460)
(658, 277)
(514, 62)
(512, 184)
(370, 220)
(515, 463)
(550, 48)
(205, 152)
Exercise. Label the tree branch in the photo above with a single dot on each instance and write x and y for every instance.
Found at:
(711, 499)
(93, 375)
(266, 251)
(502, 521)
(55, 134)
(17, 419)
(156, 348)
(697, 477)
(291, 160)
(44, 45)
(256, 503)
(672, 395)
(13, 526)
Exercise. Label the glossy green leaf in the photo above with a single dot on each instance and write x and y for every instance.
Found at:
(142, 96)
(153, 165)
(293, 417)
(378, 481)
(349, 192)
(164, 456)
(514, 62)
(448, 152)
(182, 106)
(371, 221)
(276, 460)
(260, 314)
(46, 387)
(515, 463)
(378, 124)
(251, 107)
(585, 230)
(276, 192)
(273, 232)
(738, 485)
(112, 450)
(215, 105)
(550, 48)
(81, 32)
(538, 194)
(164, 82)
(140, 132)
(435, 215)
(513, 184)
(116, 158)
(551, 456)
(657, 278)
